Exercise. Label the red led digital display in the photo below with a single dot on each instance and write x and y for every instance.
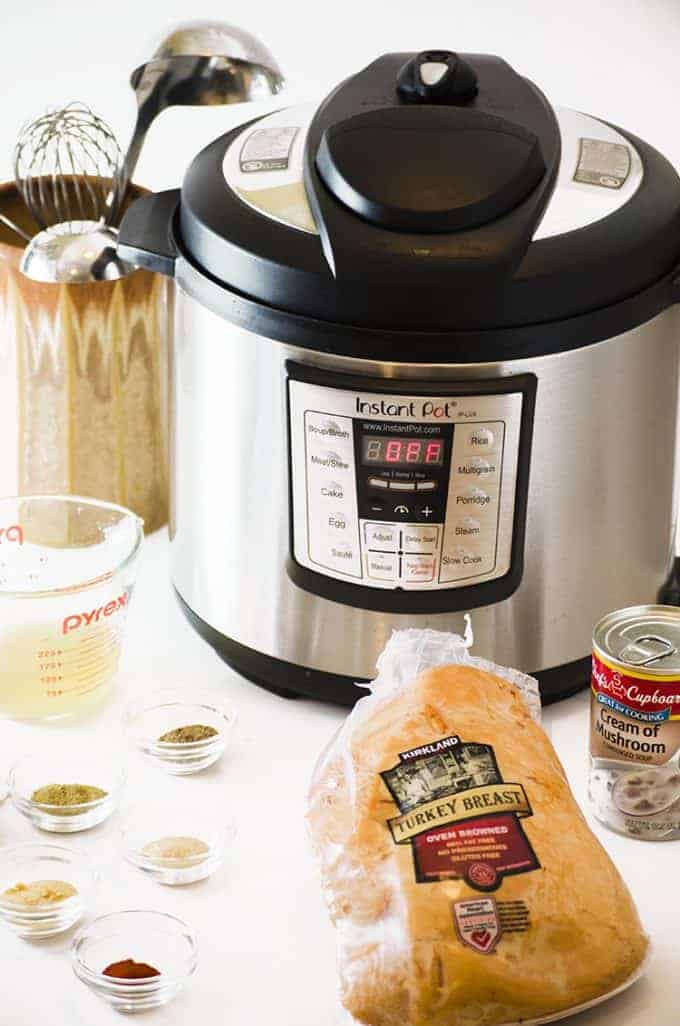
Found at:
(385, 451)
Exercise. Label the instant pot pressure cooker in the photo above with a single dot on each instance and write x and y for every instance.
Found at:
(425, 364)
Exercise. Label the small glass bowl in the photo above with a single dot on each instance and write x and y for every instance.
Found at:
(146, 824)
(27, 863)
(161, 940)
(170, 708)
(33, 772)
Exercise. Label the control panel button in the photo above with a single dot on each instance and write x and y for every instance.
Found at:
(426, 486)
(476, 467)
(382, 536)
(402, 511)
(479, 438)
(467, 528)
(417, 568)
(377, 482)
(382, 566)
(415, 538)
(332, 490)
(472, 498)
(427, 512)
(337, 521)
(402, 486)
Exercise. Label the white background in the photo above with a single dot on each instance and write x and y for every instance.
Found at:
(266, 949)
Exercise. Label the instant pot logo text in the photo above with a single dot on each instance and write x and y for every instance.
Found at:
(12, 533)
(413, 408)
(76, 620)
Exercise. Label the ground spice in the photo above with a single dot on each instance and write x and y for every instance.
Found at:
(183, 851)
(67, 794)
(39, 892)
(185, 735)
(128, 969)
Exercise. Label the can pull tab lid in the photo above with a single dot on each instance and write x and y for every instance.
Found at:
(647, 649)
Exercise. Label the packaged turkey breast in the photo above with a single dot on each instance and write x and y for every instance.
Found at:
(464, 883)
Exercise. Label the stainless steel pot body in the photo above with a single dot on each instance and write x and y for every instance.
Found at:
(600, 505)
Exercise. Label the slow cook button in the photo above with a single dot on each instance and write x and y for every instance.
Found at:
(382, 536)
(382, 566)
(462, 561)
(419, 539)
(417, 568)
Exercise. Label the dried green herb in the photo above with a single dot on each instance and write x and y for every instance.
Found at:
(67, 795)
(185, 735)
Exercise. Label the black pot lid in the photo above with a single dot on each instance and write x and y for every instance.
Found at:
(389, 209)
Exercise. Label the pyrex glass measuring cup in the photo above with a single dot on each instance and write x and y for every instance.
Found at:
(67, 567)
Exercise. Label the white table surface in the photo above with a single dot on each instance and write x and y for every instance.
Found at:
(266, 948)
(267, 955)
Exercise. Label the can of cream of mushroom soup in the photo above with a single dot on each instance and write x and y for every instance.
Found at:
(634, 781)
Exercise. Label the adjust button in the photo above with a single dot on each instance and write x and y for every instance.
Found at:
(418, 538)
(382, 566)
(382, 536)
(417, 568)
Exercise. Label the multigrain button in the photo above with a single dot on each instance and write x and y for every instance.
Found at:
(419, 539)
(382, 536)
(476, 467)
(382, 566)
(417, 568)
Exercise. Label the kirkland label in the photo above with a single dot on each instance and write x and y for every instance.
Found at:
(461, 819)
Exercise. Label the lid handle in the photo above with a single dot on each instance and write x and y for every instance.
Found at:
(437, 76)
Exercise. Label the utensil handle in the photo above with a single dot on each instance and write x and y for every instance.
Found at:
(129, 165)
(15, 228)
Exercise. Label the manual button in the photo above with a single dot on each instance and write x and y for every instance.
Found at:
(382, 536)
(419, 539)
(382, 566)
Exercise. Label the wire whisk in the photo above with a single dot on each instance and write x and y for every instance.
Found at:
(68, 167)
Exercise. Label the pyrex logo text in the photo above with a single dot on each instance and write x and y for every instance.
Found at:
(76, 620)
(412, 408)
(12, 533)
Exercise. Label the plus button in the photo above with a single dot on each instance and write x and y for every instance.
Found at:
(426, 511)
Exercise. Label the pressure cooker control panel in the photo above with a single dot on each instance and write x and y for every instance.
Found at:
(409, 492)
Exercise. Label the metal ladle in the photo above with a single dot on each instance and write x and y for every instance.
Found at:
(200, 63)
